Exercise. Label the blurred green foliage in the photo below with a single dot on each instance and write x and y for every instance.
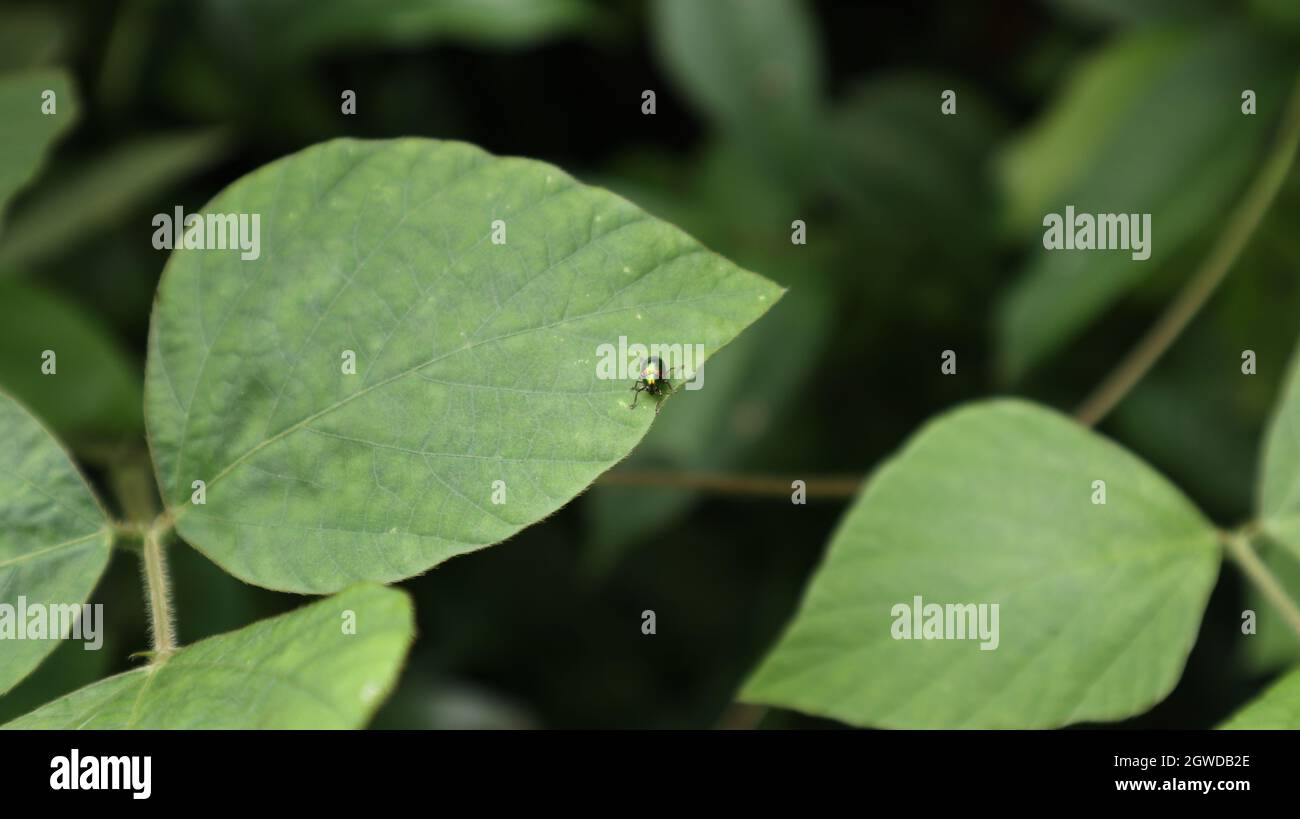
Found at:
(923, 235)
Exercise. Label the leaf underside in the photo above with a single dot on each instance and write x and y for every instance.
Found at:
(28, 132)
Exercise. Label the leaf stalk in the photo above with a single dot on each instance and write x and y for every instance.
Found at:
(1239, 549)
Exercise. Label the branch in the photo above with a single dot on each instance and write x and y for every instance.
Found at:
(818, 487)
(1241, 225)
(1238, 545)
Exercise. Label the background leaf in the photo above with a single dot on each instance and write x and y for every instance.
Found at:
(1153, 126)
(95, 392)
(1099, 604)
(477, 362)
(303, 29)
(54, 537)
(1274, 645)
(298, 670)
(1135, 11)
(911, 186)
(28, 133)
(754, 69)
(30, 36)
(1279, 481)
(1277, 709)
(97, 194)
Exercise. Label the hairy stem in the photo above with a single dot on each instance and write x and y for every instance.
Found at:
(131, 477)
(1238, 545)
(158, 592)
(1241, 225)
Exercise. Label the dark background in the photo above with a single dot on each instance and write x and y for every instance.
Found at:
(909, 253)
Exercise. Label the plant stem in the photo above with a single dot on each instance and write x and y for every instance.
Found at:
(131, 477)
(1238, 545)
(1241, 225)
(158, 591)
(818, 487)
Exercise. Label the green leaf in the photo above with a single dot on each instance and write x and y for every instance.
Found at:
(992, 504)
(1036, 168)
(476, 361)
(754, 69)
(912, 181)
(1279, 16)
(99, 192)
(54, 537)
(94, 391)
(66, 669)
(1277, 709)
(726, 200)
(30, 36)
(1152, 125)
(1279, 481)
(1136, 11)
(301, 29)
(720, 429)
(298, 670)
(28, 133)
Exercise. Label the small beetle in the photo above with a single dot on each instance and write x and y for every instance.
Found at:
(653, 379)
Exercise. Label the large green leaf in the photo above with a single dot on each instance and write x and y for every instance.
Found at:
(95, 389)
(992, 504)
(1152, 126)
(1278, 708)
(299, 670)
(28, 132)
(476, 361)
(54, 537)
(1279, 483)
